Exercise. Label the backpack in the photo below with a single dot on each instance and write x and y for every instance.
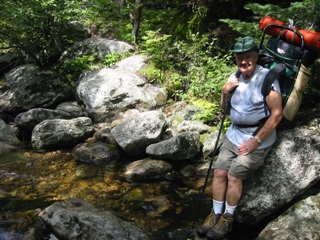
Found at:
(288, 59)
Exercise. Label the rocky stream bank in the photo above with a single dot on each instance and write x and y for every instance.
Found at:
(117, 162)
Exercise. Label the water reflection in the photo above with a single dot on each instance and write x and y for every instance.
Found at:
(30, 181)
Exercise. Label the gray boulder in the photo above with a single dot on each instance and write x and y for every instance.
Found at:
(209, 143)
(135, 134)
(197, 126)
(8, 138)
(184, 146)
(72, 108)
(8, 61)
(31, 87)
(110, 91)
(29, 119)
(301, 221)
(146, 169)
(60, 133)
(77, 219)
(97, 153)
(291, 168)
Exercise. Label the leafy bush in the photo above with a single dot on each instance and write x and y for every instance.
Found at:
(39, 28)
(187, 69)
(208, 114)
(74, 67)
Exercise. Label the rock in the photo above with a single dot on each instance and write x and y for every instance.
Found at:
(60, 133)
(197, 126)
(72, 108)
(180, 112)
(160, 206)
(301, 221)
(97, 153)
(135, 134)
(210, 142)
(188, 171)
(77, 219)
(146, 169)
(29, 119)
(8, 139)
(184, 146)
(86, 171)
(8, 60)
(32, 87)
(109, 91)
(292, 166)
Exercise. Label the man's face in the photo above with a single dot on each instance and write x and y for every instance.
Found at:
(246, 61)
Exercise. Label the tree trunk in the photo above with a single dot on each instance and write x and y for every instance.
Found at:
(121, 4)
(136, 20)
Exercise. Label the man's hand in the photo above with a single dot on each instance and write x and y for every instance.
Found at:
(230, 85)
(248, 146)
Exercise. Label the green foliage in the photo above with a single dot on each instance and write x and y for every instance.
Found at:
(73, 68)
(305, 14)
(244, 28)
(187, 69)
(226, 124)
(209, 112)
(39, 28)
(159, 48)
(112, 58)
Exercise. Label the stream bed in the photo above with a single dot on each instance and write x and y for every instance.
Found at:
(165, 209)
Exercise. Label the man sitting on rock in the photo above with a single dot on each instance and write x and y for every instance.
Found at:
(248, 140)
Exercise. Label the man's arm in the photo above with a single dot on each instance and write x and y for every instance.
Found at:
(274, 102)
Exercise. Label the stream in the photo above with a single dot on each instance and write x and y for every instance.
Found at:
(29, 182)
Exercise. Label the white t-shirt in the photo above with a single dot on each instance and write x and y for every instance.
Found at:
(248, 107)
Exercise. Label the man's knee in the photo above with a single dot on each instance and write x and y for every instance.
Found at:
(220, 174)
(232, 180)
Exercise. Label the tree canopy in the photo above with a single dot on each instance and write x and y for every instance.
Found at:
(187, 41)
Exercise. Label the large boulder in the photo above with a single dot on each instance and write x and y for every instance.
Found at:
(77, 219)
(146, 169)
(61, 133)
(185, 145)
(301, 221)
(97, 153)
(110, 91)
(136, 133)
(31, 118)
(291, 168)
(31, 87)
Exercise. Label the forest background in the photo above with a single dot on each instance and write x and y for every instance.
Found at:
(186, 42)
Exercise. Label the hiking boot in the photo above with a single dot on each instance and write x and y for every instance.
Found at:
(209, 223)
(221, 229)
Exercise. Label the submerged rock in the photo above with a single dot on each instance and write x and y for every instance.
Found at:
(77, 219)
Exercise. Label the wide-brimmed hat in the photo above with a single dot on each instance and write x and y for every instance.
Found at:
(243, 45)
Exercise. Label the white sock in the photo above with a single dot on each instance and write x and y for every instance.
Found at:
(217, 206)
(230, 209)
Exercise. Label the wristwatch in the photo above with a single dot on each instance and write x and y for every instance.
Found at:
(258, 139)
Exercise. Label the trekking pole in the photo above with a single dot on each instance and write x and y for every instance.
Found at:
(225, 112)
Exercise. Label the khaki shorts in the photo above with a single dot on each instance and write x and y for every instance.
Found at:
(239, 165)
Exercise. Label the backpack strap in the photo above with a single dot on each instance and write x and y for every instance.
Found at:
(228, 104)
(269, 79)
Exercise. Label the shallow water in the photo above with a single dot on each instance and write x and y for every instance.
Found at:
(30, 181)
(166, 209)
